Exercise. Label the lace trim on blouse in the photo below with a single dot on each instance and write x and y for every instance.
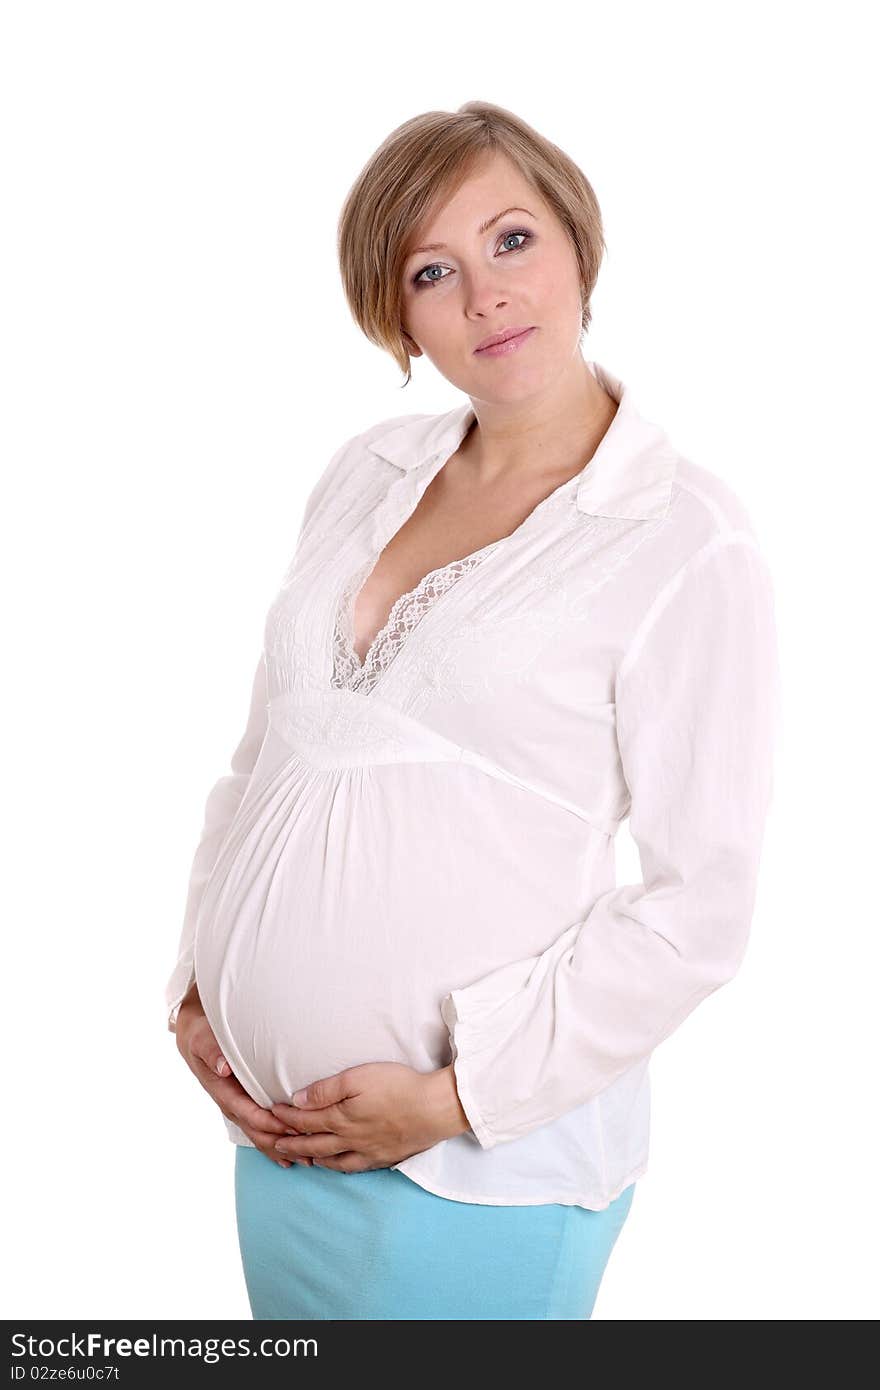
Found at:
(349, 673)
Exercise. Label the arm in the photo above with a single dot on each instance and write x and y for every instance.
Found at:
(697, 714)
(226, 795)
(222, 803)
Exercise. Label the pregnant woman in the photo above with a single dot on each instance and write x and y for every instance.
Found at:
(406, 974)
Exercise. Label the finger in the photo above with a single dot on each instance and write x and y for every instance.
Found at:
(304, 1121)
(247, 1110)
(350, 1162)
(264, 1144)
(283, 1162)
(328, 1090)
(311, 1145)
(266, 1137)
(208, 1050)
(233, 1099)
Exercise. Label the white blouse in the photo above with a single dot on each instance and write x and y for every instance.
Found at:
(412, 857)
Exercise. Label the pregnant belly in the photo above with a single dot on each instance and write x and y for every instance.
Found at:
(346, 903)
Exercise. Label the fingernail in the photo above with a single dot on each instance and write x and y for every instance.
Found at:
(300, 1097)
(222, 1062)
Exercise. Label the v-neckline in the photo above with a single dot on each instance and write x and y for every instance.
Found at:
(348, 607)
(345, 598)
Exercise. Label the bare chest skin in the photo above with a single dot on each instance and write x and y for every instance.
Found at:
(455, 516)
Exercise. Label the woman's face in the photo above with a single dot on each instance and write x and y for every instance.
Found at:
(519, 272)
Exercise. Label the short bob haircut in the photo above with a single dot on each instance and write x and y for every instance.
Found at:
(418, 167)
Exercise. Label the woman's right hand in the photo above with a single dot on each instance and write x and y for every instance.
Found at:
(201, 1052)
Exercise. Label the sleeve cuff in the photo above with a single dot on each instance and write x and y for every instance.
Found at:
(450, 1010)
(173, 1000)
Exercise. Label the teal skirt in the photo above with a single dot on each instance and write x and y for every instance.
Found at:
(318, 1243)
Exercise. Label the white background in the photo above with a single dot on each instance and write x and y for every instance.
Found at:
(178, 364)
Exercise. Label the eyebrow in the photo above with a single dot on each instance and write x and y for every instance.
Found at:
(483, 227)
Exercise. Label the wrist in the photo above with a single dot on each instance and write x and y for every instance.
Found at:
(192, 997)
(189, 1004)
(447, 1107)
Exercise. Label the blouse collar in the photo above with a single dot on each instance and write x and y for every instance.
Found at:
(630, 475)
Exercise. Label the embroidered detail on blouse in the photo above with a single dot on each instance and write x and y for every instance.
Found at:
(503, 638)
(349, 673)
(335, 728)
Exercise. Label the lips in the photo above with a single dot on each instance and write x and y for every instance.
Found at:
(502, 337)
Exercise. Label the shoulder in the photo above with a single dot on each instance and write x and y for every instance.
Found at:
(704, 583)
(706, 511)
(707, 502)
(718, 554)
(705, 542)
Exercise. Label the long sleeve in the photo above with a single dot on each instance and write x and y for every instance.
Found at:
(226, 795)
(698, 711)
(220, 808)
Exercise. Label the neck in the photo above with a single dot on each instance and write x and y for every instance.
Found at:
(555, 433)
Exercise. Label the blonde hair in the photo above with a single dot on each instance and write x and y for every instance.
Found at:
(421, 164)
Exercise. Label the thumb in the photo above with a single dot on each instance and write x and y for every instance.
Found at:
(211, 1055)
(328, 1091)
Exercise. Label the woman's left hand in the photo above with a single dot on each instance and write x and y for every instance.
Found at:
(371, 1116)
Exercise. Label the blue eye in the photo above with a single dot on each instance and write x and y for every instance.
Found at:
(419, 282)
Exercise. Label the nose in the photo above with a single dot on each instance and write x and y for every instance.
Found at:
(484, 297)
